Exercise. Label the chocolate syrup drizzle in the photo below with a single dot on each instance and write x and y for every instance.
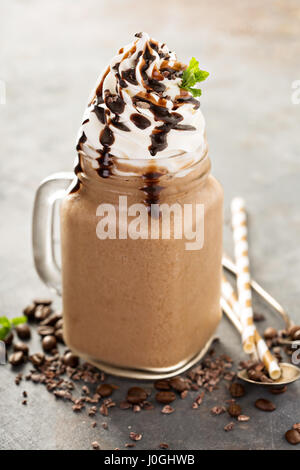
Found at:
(108, 107)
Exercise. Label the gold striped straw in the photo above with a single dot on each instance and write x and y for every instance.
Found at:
(230, 296)
(264, 353)
(239, 225)
(267, 358)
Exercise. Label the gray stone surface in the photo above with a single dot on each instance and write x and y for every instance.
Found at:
(51, 53)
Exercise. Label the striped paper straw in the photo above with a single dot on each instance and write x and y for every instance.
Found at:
(239, 225)
(267, 358)
(230, 296)
(264, 354)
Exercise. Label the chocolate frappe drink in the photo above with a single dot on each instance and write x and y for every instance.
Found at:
(142, 225)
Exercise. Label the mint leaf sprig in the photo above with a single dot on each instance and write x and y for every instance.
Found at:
(7, 324)
(191, 76)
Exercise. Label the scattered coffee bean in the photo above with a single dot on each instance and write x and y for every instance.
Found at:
(17, 358)
(45, 330)
(265, 405)
(21, 347)
(42, 312)
(136, 395)
(229, 427)
(162, 385)
(9, 339)
(234, 410)
(296, 335)
(29, 311)
(293, 330)
(59, 335)
(270, 333)
(184, 394)
(165, 397)
(163, 445)
(95, 445)
(59, 324)
(51, 319)
(257, 317)
(70, 359)
(218, 410)
(135, 436)
(296, 426)
(37, 359)
(24, 402)
(237, 390)
(48, 342)
(167, 410)
(24, 394)
(41, 301)
(243, 418)
(292, 436)
(179, 384)
(23, 331)
(104, 390)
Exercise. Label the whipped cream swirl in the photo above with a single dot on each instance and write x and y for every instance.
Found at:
(138, 110)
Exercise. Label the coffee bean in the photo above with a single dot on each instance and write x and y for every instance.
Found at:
(23, 331)
(243, 418)
(29, 311)
(257, 317)
(265, 405)
(44, 302)
(21, 347)
(104, 390)
(234, 410)
(9, 339)
(293, 330)
(95, 445)
(254, 375)
(51, 319)
(237, 390)
(165, 397)
(48, 342)
(162, 385)
(17, 358)
(59, 324)
(71, 360)
(278, 391)
(135, 436)
(229, 427)
(296, 335)
(270, 333)
(292, 436)
(136, 395)
(42, 312)
(179, 384)
(59, 335)
(45, 330)
(37, 359)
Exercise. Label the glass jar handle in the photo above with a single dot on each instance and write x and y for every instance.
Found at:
(49, 194)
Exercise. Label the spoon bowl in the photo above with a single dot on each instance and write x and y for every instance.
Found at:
(289, 374)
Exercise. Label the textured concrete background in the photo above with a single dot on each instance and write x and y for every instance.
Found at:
(51, 53)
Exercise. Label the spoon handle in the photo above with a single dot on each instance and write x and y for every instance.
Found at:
(230, 266)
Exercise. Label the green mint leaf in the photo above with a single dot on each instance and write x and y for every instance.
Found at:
(4, 321)
(191, 76)
(18, 320)
(195, 91)
(4, 330)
